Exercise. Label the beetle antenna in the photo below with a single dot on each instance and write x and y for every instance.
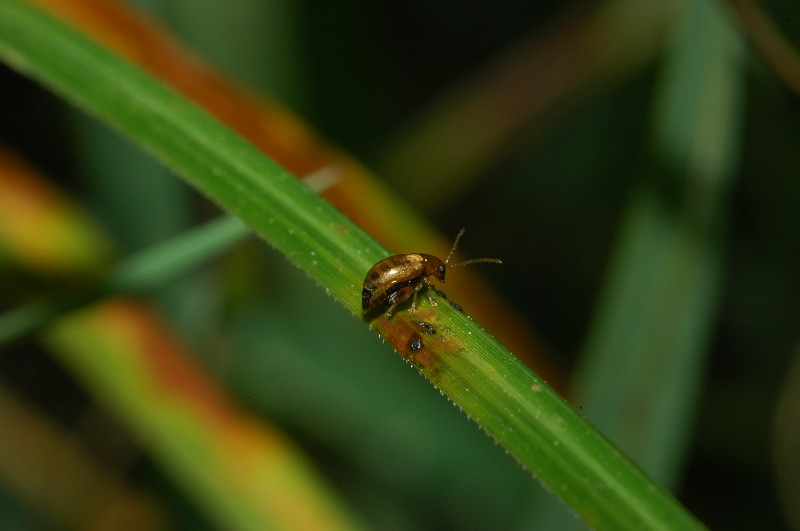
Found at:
(455, 244)
(473, 261)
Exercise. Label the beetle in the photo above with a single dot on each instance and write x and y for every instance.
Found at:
(395, 279)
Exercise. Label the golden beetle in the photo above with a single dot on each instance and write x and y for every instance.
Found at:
(395, 279)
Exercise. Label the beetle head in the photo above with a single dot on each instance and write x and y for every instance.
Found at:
(440, 272)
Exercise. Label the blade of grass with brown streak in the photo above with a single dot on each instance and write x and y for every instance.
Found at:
(296, 147)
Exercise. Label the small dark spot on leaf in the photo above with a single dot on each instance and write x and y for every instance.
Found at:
(416, 343)
(426, 328)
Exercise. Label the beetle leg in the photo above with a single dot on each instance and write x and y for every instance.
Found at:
(398, 296)
(414, 300)
(430, 287)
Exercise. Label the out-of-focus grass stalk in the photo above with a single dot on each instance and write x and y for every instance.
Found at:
(472, 124)
(645, 354)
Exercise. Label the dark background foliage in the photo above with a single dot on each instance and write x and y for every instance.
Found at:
(550, 204)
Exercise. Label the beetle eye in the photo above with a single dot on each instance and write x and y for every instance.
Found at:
(441, 271)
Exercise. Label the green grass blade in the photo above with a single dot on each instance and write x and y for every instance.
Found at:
(538, 427)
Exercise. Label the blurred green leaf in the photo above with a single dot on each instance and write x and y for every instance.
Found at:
(646, 351)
